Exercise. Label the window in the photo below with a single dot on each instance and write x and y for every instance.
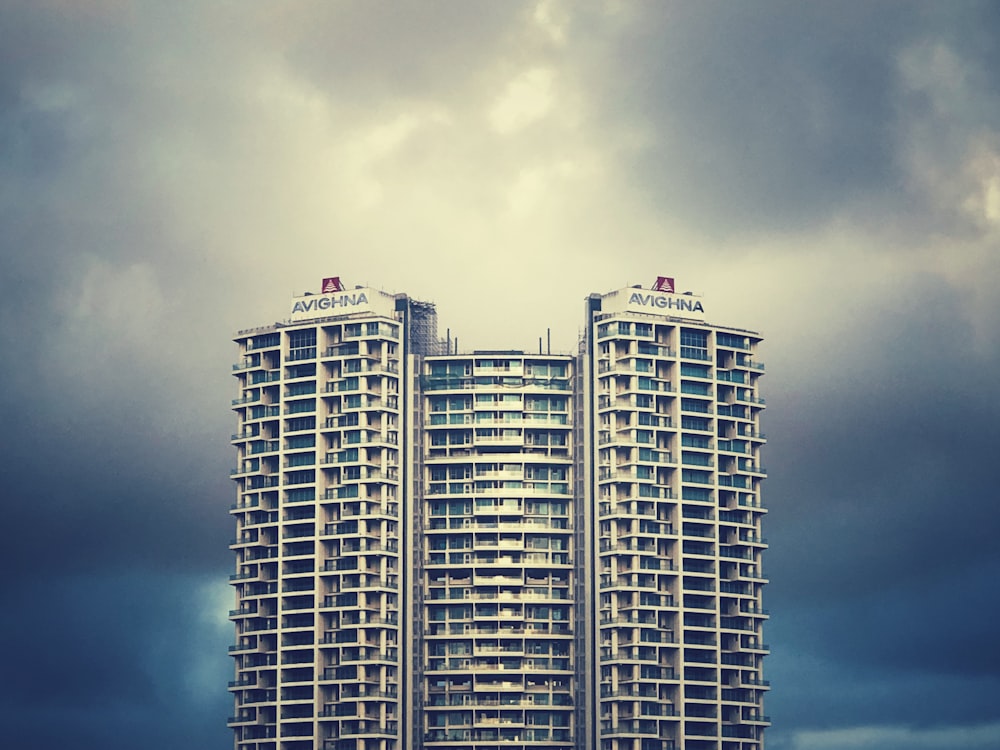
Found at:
(696, 423)
(697, 339)
(699, 494)
(266, 341)
(697, 476)
(690, 404)
(696, 441)
(302, 344)
(694, 344)
(696, 459)
(300, 423)
(301, 371)
(702, 389)
(731, 340)
(306, 404)
(304, 476)
(298, 389)
(300, 339)
(695, 371)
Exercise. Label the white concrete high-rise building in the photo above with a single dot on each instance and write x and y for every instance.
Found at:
(497, 548)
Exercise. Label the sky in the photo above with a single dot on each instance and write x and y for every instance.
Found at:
(827, 173)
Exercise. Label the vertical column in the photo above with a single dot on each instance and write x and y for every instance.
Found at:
(359, 575)
(637, 525)
(256, 545)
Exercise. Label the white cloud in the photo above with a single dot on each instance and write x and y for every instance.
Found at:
(528, 98)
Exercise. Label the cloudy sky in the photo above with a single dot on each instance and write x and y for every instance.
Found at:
(826, 173)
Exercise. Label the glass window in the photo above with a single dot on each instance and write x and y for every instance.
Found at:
(265, 341)
(299, 339)
(306, 404)
(300, 423)
(731, 340)
(696, 441)
(300, 494)
(696, 475)
(301, 371)
(696, 423)
(690, 404)
(694, 338)
(298, 389)
(703, 389)
(300, 477)
(700, 494)
(693, 370)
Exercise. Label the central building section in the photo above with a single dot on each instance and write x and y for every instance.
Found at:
(497, 563)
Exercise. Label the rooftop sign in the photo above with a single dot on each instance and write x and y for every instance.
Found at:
(636, 299)
(341, 302)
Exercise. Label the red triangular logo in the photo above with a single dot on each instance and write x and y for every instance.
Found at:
(664, 284)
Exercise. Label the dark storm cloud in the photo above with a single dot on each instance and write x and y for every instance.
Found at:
(920, 630)
(97, 493)
(827, 695)
(104, 446)
(879, 436)
(108, 463)
(775, 116)
(883, 527)
(122, 656)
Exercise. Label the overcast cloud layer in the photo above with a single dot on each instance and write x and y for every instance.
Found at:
(826, 173)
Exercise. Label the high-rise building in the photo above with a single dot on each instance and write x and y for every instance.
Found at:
(438, 549)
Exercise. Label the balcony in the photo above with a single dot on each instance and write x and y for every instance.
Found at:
(251, 399)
